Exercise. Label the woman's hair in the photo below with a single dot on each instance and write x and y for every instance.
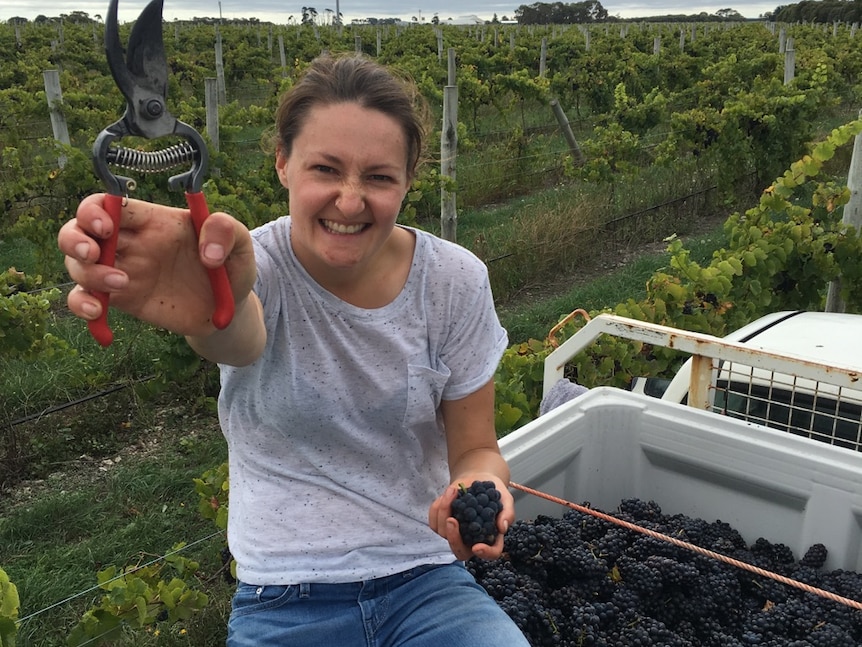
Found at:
(353, 78)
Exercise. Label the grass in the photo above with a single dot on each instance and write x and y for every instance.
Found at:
(78, 521)
(534, 320)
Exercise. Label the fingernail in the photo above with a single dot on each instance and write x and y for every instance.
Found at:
(90, 309)
(505, 525)
(213, 252)
(81, 250)
(98, 227)
(116, 280)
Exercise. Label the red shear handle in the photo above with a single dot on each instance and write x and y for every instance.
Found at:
(99, 328)
(224, 304)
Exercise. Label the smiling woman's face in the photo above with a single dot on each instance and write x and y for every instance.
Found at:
(347, 177)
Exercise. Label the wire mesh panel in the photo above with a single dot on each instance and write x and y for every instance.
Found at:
(796, 394)
(811, 408)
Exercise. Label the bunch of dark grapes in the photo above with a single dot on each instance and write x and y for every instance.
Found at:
(476, 508)
(574, 581)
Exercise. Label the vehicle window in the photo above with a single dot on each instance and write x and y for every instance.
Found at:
(656, 386)
(814, 416)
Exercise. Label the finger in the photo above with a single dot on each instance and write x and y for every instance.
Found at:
(442, 510)
(77, 244)
(92, 276)
(92, 217)
(456, 544)
(83, 304)
(217, 239)
(485, 551)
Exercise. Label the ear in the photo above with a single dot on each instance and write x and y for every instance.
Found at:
(281, 167)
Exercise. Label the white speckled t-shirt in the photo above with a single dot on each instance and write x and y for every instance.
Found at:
(336, 446)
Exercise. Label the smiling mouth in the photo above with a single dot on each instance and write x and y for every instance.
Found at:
(339, 228)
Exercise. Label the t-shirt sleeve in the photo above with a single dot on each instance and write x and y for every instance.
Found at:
(476, 340)
(266, 240)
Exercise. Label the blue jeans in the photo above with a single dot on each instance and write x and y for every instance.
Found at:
(427, 606)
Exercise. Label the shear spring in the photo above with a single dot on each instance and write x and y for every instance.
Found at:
(151, 161)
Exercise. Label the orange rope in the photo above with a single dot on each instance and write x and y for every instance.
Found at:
(684, 544)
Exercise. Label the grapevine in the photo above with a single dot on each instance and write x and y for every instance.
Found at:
(719, 101)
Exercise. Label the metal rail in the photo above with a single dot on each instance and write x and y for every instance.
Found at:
(785, 391)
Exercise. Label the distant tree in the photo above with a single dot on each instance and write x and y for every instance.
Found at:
(823, 11)
(597, 12)
(309, 14)
(542, 13)
(17, 20)
(77, 17)
(729, 14)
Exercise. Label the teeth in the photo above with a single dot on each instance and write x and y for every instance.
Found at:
(338, 228)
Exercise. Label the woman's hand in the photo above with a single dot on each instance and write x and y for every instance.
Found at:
(471, 442)
(444, 524)
(160, 273)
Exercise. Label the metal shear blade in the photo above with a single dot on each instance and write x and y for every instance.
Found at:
(145, 67)
(141, 74)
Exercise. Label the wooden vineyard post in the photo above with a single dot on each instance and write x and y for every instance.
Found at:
(282, 55)
(211, 98)
(789, 62)
(448, 153)
(543, 58)
(563, 121)
(852, 217)
(55, 105)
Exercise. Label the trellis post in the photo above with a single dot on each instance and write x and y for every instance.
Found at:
(55, 106)
(851, 217)
(448, 153)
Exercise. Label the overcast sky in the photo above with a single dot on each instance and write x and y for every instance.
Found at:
(278, 11)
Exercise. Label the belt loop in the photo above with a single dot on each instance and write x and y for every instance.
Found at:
(304, 590)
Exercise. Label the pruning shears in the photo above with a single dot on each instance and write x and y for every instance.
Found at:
(142, 77)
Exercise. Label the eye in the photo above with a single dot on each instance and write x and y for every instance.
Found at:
(322, 168)
(378, 177)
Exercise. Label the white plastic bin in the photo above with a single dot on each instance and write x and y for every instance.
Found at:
(610, 444)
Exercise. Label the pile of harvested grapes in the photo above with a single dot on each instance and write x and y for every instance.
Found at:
(579, 581)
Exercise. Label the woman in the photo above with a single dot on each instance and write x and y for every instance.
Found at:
(357, 376)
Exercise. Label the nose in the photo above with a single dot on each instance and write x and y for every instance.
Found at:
(351, 199)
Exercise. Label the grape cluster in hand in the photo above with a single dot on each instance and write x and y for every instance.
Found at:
(476, 508)
(578, 581)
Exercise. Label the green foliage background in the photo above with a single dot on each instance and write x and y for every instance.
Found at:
(712, 111)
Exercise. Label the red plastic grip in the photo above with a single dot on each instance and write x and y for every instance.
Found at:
(222, 293)
(99, 328)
